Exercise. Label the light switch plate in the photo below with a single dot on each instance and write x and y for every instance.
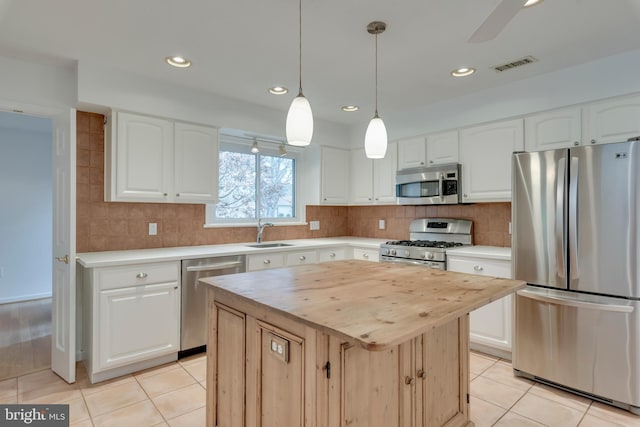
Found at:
(314, 225)
(382, 224)
(153, 229)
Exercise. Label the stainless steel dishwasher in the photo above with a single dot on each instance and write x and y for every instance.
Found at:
(193, 323)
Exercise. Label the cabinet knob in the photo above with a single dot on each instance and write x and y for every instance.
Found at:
(421, 374)
(141, 275)
(365, 255)
(325, 199)
(377, 198)
(175, 287)
(267, 261)
(165, 194)
(478, 268)
(177, 194)
(593, 141)
(332, 255)
(576, 143)
(431, 161)
(409, 380)
(302, 258)
(369, 198)
(422, 163)
(465, 196)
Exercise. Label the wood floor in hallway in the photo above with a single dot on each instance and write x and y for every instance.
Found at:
(25, 337)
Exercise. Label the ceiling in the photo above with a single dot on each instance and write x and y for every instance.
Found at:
(239, 48)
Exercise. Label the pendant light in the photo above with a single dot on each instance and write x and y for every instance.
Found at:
(375, 139)
(299, 125)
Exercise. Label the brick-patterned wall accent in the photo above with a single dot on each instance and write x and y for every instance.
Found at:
(107, 226)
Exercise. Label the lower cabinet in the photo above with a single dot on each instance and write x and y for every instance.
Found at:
(366, 254)
(283, 373)
(491, 326)
(132, 315)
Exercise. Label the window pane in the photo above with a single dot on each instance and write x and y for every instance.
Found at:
(237, 193)
(277, 187)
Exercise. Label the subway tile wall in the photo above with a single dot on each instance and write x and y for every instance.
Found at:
(107, 226)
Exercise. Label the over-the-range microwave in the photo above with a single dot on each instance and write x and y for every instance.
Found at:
(432, 185)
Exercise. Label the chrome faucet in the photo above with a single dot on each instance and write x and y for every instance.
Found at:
(261, 227)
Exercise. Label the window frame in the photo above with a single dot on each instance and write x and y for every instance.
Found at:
(243, 145)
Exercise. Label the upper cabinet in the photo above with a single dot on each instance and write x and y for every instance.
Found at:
(436, 149)
(553, 129)
(334, 176)
(485, 154)
(614, 120)
(149, 159)
(373, 181)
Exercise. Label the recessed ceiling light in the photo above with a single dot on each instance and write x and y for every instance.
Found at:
(350, 108)
(178, 61)
(532, 3)
(463, 72)
(278, 90)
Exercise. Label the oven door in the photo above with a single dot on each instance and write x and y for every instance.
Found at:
(431, 264)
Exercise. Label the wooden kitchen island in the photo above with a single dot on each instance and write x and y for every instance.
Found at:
(346, 343)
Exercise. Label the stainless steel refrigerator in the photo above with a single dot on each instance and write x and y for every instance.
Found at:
(576, 242)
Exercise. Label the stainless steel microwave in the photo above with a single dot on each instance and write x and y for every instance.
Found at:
(433, 185)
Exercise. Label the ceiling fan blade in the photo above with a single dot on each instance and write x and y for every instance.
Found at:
(497, 20)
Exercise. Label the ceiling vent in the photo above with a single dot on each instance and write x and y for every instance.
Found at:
(513, 64)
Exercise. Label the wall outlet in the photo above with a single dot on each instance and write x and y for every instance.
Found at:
(153, 229)
(314, 225)
(382, 224)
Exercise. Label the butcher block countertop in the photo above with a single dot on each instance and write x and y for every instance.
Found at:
(373, 305)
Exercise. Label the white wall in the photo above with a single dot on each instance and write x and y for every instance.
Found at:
(26, 213)
(608, 77)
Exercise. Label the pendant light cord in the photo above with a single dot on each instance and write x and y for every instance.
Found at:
(376, 114)
(300, 47)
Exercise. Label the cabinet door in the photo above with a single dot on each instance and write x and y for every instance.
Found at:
(384, 176)
(361, 177)
(143, 158)
(195, 164)
(301, 258)
(614, 120)
(485, 154)
(490, 325)
(332, 254)
(230, 381)
(554, 129)
(334, 176)
(137, 323)
(442, 148)
(412, 153)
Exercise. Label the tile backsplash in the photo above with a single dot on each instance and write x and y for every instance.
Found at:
(106, 226)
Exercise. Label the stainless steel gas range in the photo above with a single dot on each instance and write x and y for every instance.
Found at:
(428, 241)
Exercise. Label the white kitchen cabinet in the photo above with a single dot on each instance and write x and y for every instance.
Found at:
(491, 326)
(334, 176)
(412, 152)
(132, 314)
(373, 181)
(366, 254)
(553, 129)
(442, 148)
(149, 159)
(332, 254)
(613, 120)
(301, 257)
(485, 154)
(265, 261)
(436, 149)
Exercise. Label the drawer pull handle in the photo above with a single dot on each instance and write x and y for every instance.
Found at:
(409, 380)
(421, 374)
(141, 275)
(478, 268)
(302, 258)
(267, 261)
(332, 255)
(365, 255)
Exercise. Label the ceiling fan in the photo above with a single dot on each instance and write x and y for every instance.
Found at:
(498, 19)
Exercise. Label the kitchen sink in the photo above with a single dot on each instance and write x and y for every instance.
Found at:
(269, 245)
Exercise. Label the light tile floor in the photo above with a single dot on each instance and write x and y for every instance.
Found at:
(174, 395)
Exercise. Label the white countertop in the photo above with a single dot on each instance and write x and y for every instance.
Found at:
(492, 252)
(135, 256)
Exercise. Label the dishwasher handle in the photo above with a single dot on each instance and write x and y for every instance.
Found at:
(215, 266)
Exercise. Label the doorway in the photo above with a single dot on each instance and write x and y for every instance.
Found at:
(26, 189)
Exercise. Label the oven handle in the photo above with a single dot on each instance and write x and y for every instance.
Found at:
(438, 265)
(441, 179)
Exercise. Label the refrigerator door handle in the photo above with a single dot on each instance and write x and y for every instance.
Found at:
(560, 206)
(573, 219)
(574, 303)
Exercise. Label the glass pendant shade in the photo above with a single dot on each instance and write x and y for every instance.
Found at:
(299, 126)
(375, 139)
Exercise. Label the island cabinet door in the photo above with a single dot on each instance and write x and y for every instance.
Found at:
(442, 381)
(229, 357)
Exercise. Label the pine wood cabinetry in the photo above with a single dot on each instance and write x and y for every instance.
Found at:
(149, 159)
(373, 181)
(334, 176)
(485, 154)
(131, 317)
